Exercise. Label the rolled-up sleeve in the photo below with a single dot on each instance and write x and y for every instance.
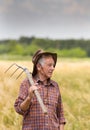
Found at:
(60, 111)
(23, 92)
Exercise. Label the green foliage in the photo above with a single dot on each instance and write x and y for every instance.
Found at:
(18, 50)
(75, 52)
(3, 49)
(44, 43)
(30, 49)
(26, 40)
(11, 46)
(64, 48)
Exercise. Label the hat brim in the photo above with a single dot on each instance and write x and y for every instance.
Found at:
(54, 55)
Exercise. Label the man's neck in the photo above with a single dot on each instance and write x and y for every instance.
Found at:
(42, 78)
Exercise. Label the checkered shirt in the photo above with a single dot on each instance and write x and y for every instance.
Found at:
(34, 118)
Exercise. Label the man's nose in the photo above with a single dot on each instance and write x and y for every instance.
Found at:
(53, 67)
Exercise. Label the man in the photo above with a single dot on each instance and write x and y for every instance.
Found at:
(27, 105)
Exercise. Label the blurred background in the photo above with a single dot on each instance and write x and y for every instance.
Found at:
(61, 26)
(54, 25)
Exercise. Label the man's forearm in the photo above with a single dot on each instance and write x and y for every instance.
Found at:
(25, 104)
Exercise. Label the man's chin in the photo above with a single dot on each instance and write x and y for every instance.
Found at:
(50, 75)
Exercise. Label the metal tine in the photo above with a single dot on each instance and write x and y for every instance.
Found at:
(10, 67)
(18, 67)
(14, 72)
(31, 82)
(19, 75)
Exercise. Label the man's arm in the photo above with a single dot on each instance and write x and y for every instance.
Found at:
(25, 104)
(60, 112)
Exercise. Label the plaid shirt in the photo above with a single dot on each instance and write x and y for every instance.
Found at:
(34, 118)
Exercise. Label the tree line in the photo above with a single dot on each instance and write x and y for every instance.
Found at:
(28, 45)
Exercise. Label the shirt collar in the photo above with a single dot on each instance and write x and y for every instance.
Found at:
(50, 82)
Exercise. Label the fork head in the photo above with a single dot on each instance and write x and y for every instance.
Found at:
(17, 68)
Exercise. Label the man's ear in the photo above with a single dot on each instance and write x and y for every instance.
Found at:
(38, 66)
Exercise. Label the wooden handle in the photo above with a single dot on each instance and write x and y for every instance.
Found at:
(36, 92)
(40, 101)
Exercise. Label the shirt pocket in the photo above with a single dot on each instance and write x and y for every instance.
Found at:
(53, 100)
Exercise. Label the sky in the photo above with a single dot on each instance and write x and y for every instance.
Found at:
(54, 19)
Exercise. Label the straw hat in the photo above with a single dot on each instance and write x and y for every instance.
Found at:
(38, 55)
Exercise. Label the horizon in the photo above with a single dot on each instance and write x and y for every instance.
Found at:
(44, 38)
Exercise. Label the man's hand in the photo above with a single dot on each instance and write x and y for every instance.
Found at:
(32, 89)
(25, 104)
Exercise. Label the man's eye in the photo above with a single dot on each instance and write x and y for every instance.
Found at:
(51, 65)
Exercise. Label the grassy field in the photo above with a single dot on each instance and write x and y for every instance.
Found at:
(73, 76)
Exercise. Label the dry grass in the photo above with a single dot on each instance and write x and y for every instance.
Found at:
(74, 81)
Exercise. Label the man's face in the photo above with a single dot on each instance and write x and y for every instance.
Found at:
(48, 67)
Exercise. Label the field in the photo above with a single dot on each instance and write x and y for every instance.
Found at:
(74, 80)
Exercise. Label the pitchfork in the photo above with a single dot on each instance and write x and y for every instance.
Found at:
(29, 75)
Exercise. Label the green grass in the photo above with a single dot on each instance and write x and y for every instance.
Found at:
(74, 80)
